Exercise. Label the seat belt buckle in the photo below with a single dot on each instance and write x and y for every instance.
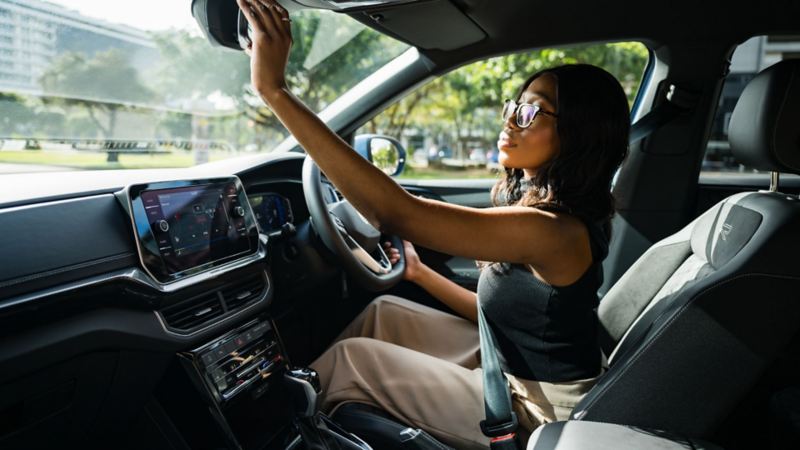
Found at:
(500, 430)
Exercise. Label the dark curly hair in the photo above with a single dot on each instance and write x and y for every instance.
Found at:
(593, 127)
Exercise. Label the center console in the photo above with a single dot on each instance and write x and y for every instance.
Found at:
(239, 360)
(227, 393)
(239, 391)
(199, 245)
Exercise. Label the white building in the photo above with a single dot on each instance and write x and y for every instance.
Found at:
(34, 32)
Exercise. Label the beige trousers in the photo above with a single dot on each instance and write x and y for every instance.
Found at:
(423, 366)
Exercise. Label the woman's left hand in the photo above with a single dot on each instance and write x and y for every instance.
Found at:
(272, 40)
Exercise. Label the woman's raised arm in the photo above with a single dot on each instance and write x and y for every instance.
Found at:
(510, 234)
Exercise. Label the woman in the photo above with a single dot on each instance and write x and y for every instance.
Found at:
(563, 138)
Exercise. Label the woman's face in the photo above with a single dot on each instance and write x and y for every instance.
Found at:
(530, 148)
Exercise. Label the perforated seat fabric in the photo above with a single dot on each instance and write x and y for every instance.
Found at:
(698, 317)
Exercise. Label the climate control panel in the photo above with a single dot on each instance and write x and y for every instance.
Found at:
(240, 360)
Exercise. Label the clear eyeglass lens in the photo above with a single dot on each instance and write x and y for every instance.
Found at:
(525, 115)
(508, 109)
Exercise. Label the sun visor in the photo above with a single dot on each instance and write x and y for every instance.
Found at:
(427, 24)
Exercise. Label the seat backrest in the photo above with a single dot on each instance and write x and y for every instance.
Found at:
(698, 317)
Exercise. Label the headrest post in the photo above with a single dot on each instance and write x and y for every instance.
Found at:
(774, 177)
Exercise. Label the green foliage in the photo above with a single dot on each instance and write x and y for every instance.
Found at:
(196, 91)
(464, 105)
(191, 69)
(108, 76)
(384, 155)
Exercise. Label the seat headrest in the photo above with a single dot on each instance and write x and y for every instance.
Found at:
(764, 132)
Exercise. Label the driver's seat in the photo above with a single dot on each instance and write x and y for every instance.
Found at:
(697, 318)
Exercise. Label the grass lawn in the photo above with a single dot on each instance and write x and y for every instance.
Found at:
(428, 173)
(86, 160)
(97, 161)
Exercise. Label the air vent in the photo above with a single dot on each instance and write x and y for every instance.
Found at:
(244, 292)
(194, 312)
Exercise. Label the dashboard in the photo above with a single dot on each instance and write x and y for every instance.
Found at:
(158, 241)
(125, 286)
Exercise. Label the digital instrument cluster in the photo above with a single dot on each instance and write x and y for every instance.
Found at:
(272, 211)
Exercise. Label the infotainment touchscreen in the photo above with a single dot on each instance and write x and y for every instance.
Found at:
(186, 226)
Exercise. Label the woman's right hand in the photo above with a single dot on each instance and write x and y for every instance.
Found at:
(413, 264)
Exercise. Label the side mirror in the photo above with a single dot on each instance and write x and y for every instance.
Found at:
(383, 152)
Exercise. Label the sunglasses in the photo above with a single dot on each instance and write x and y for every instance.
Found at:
(525, 112)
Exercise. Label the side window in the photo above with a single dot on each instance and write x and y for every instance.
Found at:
(449, 127)
(749, 58)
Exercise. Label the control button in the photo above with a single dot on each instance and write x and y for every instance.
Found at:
(238, 211)
(229, 347)
(207, 358)
(163, 225)
(219, 353)
(218, 375)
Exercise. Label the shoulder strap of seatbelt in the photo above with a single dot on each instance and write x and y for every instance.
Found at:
(677, 102)
(501, 422)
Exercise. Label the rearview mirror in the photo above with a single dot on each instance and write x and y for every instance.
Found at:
(223, 23)
(218, 19)
(383, 152)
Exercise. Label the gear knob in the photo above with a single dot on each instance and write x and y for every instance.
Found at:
(307, 374)
(304, 384)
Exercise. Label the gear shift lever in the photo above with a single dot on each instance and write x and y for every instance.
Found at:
(317, 432)
(305, 387)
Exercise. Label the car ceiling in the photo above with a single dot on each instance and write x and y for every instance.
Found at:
(445, 30)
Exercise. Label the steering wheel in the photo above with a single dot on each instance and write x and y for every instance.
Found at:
(345, 232)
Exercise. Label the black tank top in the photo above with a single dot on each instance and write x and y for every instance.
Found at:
(544, 332)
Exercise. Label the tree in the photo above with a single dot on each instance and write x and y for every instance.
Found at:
(16, 116)
(330, 53)
(101, 85)
(465, 103)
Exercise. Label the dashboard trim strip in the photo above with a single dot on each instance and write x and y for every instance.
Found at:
(136, 275)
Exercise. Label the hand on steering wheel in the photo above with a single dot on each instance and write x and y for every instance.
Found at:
(413, 264)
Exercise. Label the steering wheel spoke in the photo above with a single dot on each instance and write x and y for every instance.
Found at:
(348, 235)
(383, 266)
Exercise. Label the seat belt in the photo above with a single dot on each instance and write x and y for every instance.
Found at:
(677, 102)
(501, 422)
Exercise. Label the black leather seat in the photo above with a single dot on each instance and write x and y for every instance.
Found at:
(697, 318)
(382, 431)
